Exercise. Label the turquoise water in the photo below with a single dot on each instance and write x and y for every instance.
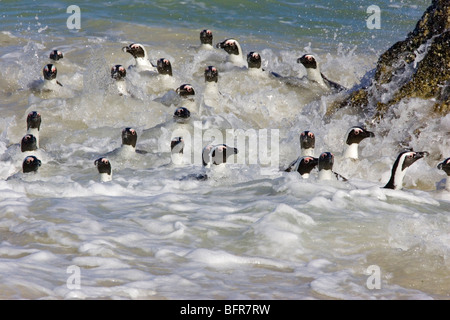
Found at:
(289, 24)
(251, 231)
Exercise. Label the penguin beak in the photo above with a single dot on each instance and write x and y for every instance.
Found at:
(420, 154)
(368, 134)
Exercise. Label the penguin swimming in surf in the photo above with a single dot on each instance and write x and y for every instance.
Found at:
(127, 150)
(234, 51)
(306, 161)
(104, 169)
(49, 83)
(404, 160)
(119, 73)
(56, 55)
(354, 137)
(142, 62)
(325, 165)
(314, 74)
(206, 40)
(34, 120)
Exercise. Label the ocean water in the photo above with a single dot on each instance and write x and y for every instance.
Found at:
(250, 231)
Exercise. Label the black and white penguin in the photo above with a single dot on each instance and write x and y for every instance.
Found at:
(445, 166)
(254, 63)
(34, 120)
(165, 76)
(325, 166)
(187, 96)
(315, 75)
(28, 143)
(177, 150)
(56, 55)
(104, 169)
(182, 115)
(49, 83)
(354, 136)
(307, 144)
(128, 148)
(216, 155)
(206, 40)
(119, 73)
(303, 165)
(140, 56)
(234, 50)
(211, 93)
(30, 164)
(404, 160)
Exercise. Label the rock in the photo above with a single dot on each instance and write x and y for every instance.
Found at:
(417, 67)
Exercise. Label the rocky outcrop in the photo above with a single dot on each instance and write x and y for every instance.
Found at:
(417, 67)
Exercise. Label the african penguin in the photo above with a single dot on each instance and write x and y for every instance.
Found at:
(314, 74)
(254, 62)
(234, 50)
(104, 169)
(307, 143)
(354, 136)
(187, 97)
(404, 160)
(28, 143)
(206, 39)
(445, 166)
(30, 164)
(177, 148)
(211, 94)
(165, 77)
(118, 73)
(325, 166)
(34, 120)
(128, 148)
(140, 56)
(49, 83)
(56, 55)
(215, 155)
(303, 165)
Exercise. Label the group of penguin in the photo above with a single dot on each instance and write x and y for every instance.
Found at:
(217, 155)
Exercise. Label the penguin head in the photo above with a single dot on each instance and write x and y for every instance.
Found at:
(56, 55)
(31, 164)
(307, 140)
(28, 143)
(34, 120)
(308, 61)
(326, 161)
(220, 153)
(206, 37)
(185, 90)
(407, 158)
(164, 66)
(445, 165)
(231, 46)
(181, 115)
(129, 137)
(357, 134)
(211, 74)
(307, 164)
(103, 165)
(177, 145)
(118, 72)
(254, 60)
(137, 50)
(49, 72)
